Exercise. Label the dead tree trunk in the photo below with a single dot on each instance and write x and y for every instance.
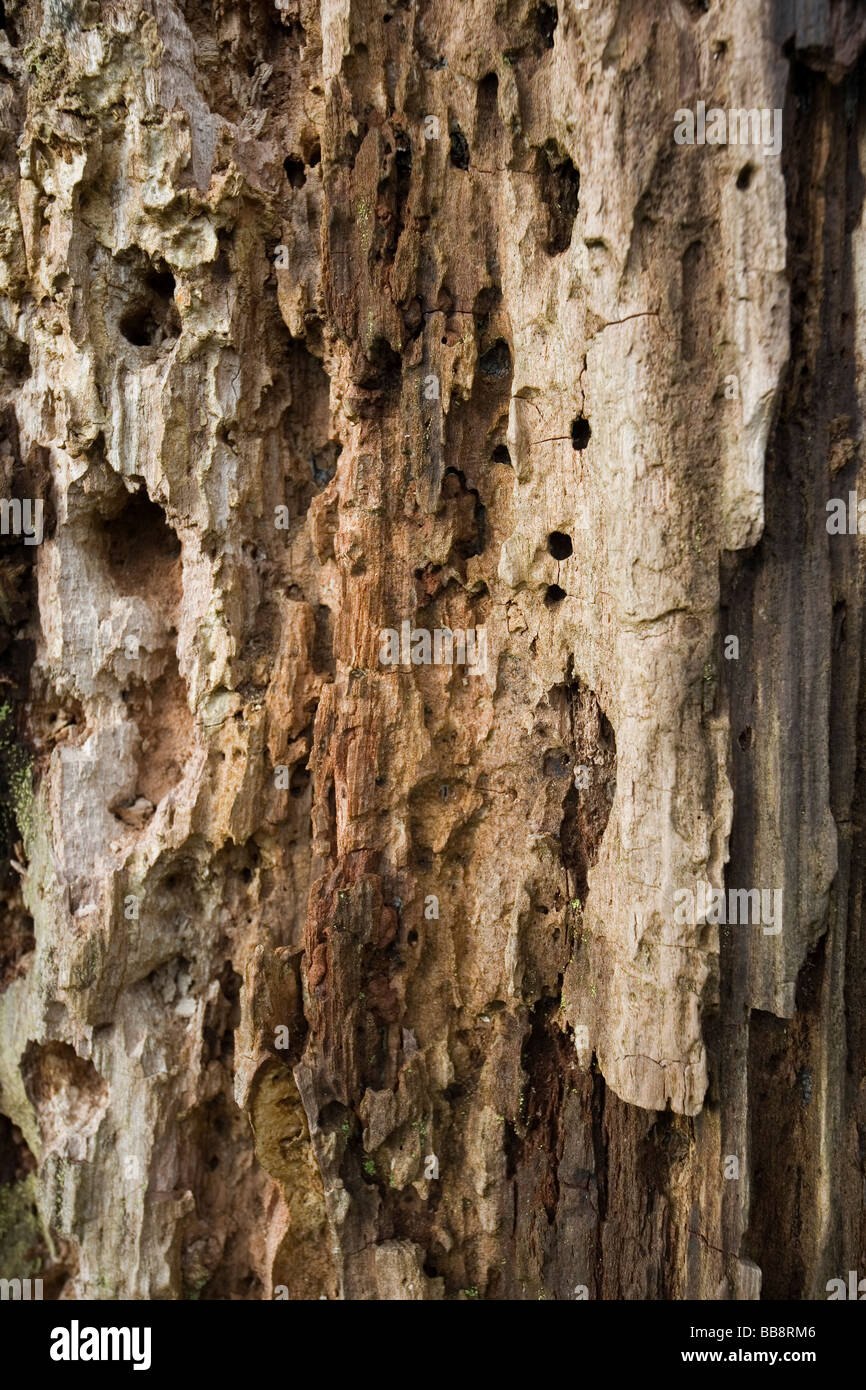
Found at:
(432, 735)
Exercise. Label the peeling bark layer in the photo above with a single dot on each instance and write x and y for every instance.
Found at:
(328, 331)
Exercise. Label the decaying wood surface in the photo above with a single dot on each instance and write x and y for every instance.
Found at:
(328, 967)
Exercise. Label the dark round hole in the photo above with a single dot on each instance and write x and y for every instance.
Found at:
(744, 177)
(7, 25)
(299, 781)
(501, 455)
(459, 153)
(139, 327)
(546, 20)
(496, 361)
(412, 938)
(746, 738)
(294, 168)
(553, 596)
(580, 433)
(556, 764)
(559, 545)
(152, 318)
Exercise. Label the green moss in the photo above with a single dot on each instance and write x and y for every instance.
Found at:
(22, 1240)
(194, 1285)
(87, 965)
(49, 64)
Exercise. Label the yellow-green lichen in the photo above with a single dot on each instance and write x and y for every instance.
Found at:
(16, 773)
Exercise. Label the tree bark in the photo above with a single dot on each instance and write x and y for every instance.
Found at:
(434, 590)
